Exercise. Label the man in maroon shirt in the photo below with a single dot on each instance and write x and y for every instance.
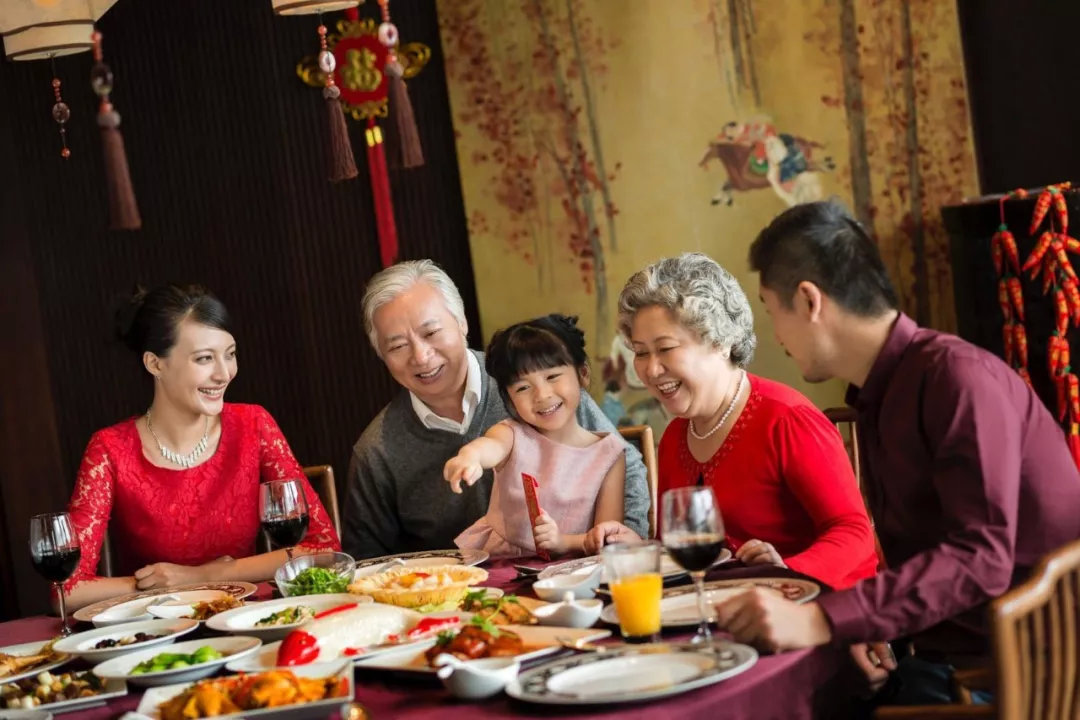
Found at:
(968, 476)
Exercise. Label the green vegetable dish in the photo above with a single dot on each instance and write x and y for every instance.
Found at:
(288, 616)
(318, 581)
(174, 661)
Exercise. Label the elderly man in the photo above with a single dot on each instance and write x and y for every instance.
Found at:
(397, 500)
(967, 475)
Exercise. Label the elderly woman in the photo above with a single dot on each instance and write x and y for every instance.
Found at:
(777, 465)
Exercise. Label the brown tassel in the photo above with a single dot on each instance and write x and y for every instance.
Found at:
(123, 211)
(412, 153)
(341, 160)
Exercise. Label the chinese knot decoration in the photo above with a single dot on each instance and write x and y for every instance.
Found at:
(1050, 259)
(368, 67)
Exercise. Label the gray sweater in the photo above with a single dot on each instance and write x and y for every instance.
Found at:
(397, 501)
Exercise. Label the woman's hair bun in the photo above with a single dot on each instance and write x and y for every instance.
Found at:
(127, 313)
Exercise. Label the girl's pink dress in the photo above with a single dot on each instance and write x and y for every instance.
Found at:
(569, 478)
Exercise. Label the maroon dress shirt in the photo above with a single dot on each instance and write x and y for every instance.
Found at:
(970, 482)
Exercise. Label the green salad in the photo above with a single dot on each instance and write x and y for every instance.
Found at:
(173, 661)
(318, 581)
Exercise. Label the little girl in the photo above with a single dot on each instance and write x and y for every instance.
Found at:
(541, 368)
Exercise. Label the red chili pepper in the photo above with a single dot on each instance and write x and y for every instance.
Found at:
(1040, 249)
(1053, 355)
(1062, 403)
(996, 254)
(1061, 312)
(1064, 360)
(1016, 294)
(1041, 206)
(1060, 210)
(1023, 373)
(1008, 244)
(1048, 281)
(1074, 395)
(1007, 342)
(1072, 295)
(1072, 244)
(1003, 299)
(1020, 336)
(1058, 247)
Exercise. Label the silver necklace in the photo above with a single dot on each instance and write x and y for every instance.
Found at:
(184, 461)
(730, 407)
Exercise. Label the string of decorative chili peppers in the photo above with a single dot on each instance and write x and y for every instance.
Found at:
(1010, 295)
(1050, 258)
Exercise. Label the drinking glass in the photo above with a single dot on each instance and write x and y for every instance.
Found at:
(693, 533)
(633, 574)
(283, 512)
(54, 550)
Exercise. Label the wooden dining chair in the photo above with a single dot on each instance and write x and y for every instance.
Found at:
(642, 438)
(1036, 640)
(846, 416)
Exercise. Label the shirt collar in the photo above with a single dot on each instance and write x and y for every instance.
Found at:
(469, 400)
(881, 372)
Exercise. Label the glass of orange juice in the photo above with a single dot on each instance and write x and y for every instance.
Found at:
(633, 574)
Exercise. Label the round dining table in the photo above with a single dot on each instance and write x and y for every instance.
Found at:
(812, 683)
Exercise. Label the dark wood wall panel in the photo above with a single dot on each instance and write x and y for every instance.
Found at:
(226, 149)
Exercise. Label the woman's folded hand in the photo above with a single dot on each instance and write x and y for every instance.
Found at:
(759, 552)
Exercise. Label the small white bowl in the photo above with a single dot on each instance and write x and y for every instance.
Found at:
(582, 586)
(82, 644)
(476, 679)
(570, 612)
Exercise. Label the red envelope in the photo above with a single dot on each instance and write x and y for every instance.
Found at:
(532, 501)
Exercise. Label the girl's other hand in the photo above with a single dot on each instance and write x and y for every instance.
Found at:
(460, 468)
(606, 533)
(759, 552)
(546, 534)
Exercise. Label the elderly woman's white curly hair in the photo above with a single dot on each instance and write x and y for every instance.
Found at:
(706, 299)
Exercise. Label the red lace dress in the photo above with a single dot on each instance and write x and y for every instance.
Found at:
(782, 476)
(187, 517)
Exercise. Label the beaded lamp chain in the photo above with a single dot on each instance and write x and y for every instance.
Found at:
(61, 113)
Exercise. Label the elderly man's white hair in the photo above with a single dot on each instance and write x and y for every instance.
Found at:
(706, 299)
(389, 283)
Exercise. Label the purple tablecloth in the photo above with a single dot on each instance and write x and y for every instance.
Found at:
(804, 684)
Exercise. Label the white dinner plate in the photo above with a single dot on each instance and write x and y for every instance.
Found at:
(370, 566)
(232, 648)
(628, 675)
(31, 648)
(82, 644)
(154, 697)
(538, 641)
(131, 607)
(584, 566)
(242, 620)
(111, 690)
(678, 605)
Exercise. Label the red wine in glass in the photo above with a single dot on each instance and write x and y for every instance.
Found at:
(696, 551)
(283, 512)
(54, 551)
(693, 533)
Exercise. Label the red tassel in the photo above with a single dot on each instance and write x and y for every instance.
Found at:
(412, 153)
(380, 190)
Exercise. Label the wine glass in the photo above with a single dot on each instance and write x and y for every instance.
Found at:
(54, 550)
(693, 533)
(283, 512)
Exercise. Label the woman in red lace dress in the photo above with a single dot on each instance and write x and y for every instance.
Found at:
(178, 487)
(782, 479)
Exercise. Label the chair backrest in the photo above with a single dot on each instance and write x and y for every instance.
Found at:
(642, 437)
(321, 478)
(840, 416)
(1037, 641)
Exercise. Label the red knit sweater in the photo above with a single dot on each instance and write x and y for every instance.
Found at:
(782, 476)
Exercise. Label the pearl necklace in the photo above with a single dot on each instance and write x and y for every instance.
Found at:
(184, 461)
(730, 407)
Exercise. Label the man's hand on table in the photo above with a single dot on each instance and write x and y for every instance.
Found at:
(758, 617)
(606, 533)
